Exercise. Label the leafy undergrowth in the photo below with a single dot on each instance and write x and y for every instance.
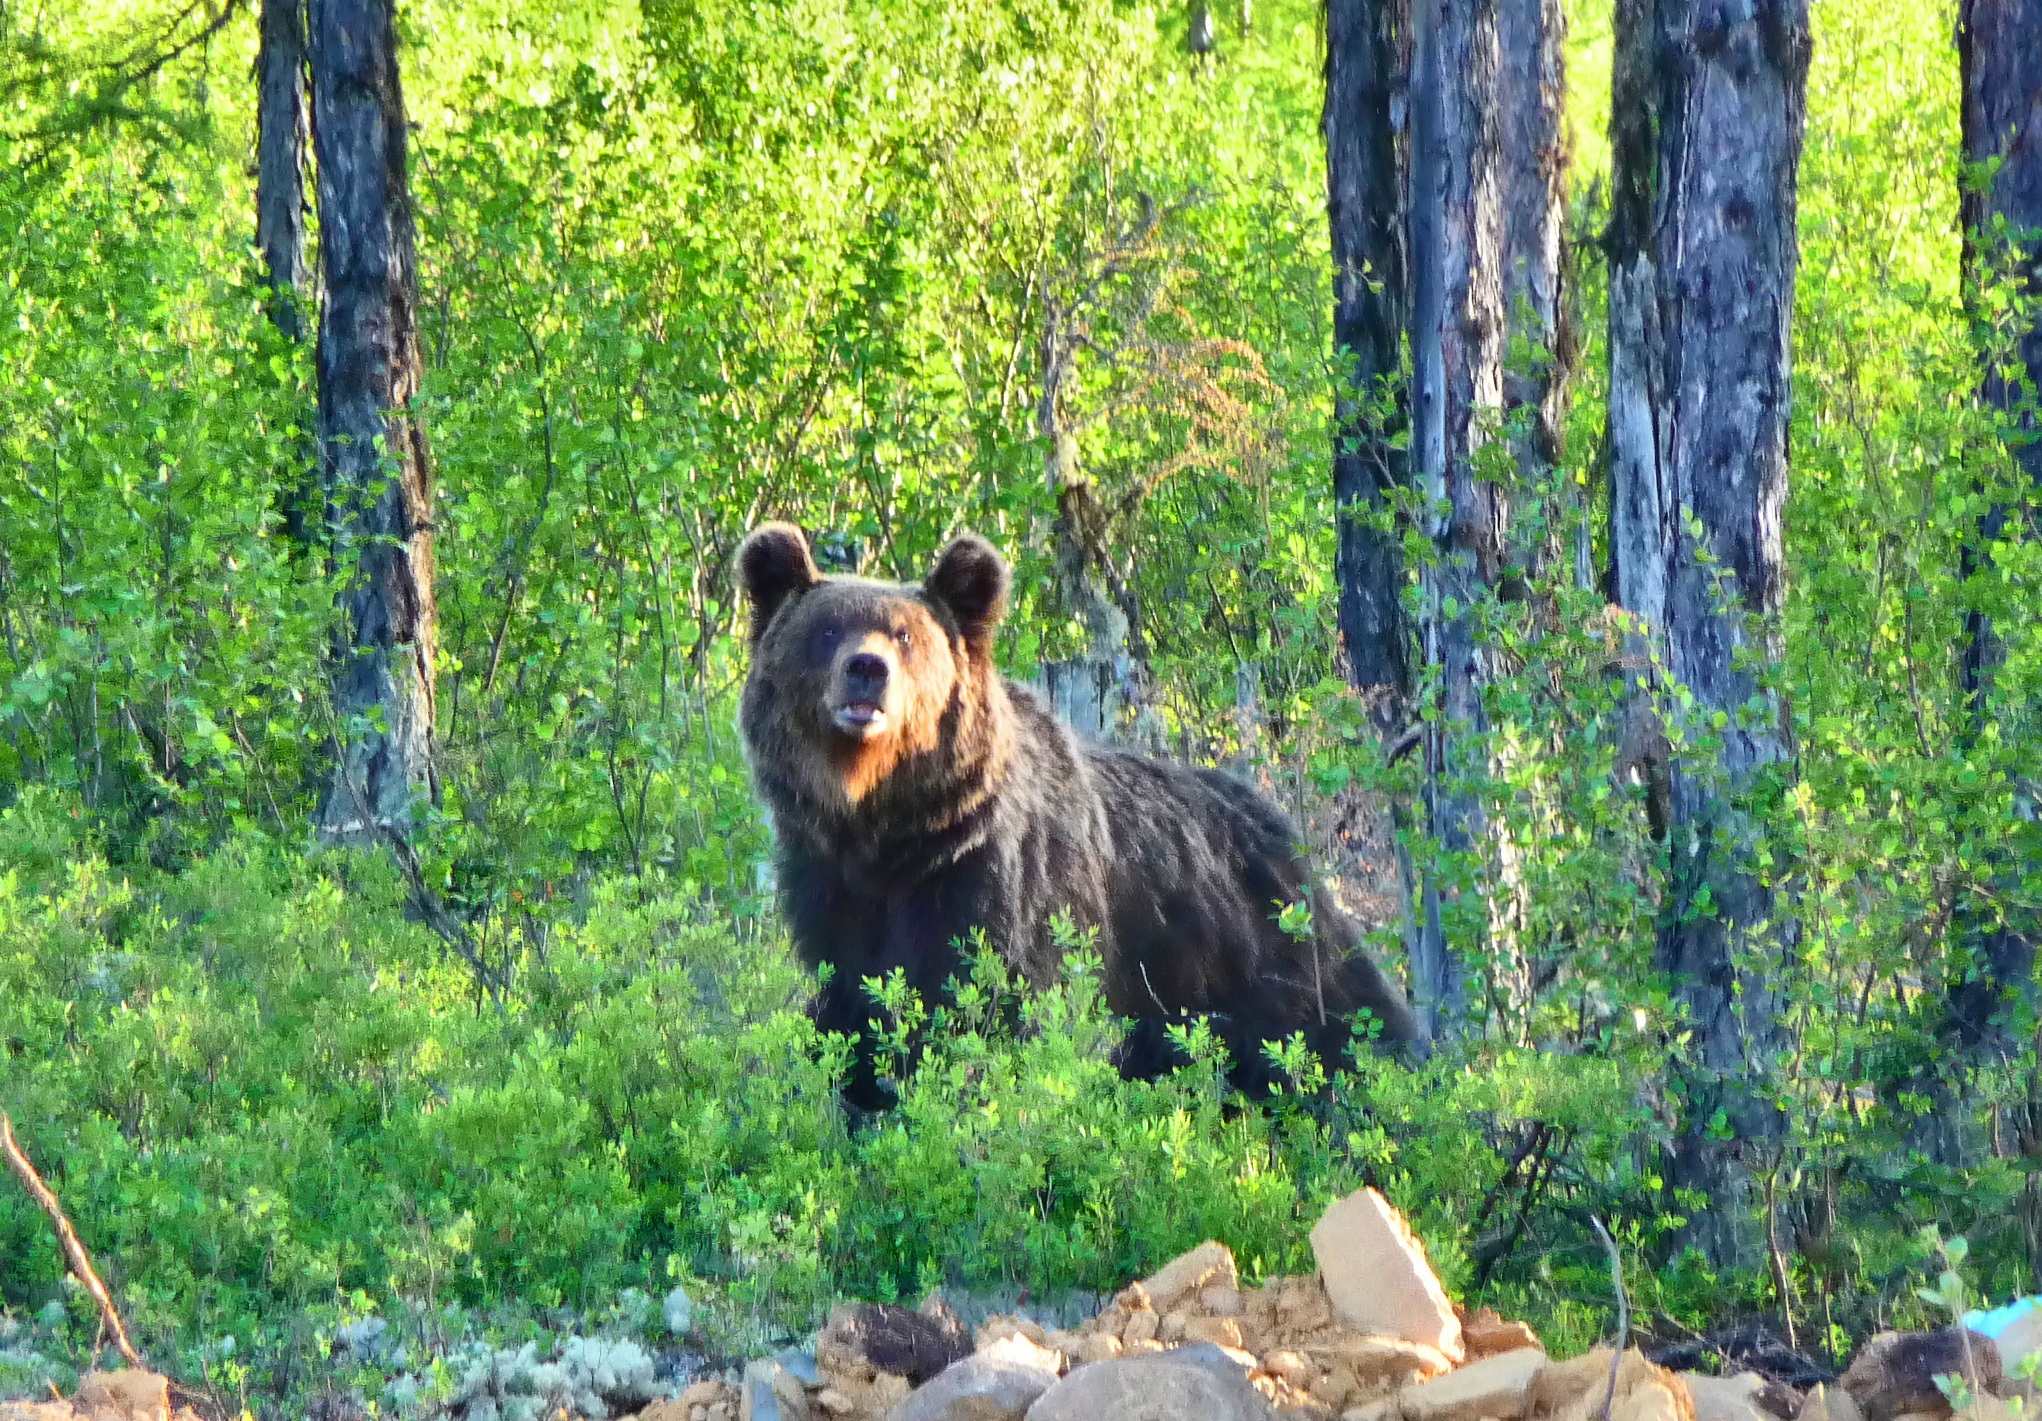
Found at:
(276, 1108)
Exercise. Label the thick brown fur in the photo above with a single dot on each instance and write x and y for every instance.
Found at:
(916, 795)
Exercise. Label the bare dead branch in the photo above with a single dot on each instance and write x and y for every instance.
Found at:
(75, 1256)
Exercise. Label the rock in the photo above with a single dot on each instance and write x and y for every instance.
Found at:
(1377, 1277)
(770, 1393)
(874, 1338)
(1498, 1387)
(1385, 1360)
(1005, 1324)
(1662, 1398)
(119, 1396)
(1095, 1347)
(1484, 1333)
(1207, 1265)
(679, 1311)
(1220, 1331)
(1298, 1306)
(1829, 1402)
(999, 1383)
(1220, 1299)
(1141, 1327)
(1895, 1372)
(1576, 1389)
(1198, 1381)
(1727, 1398)
(1294, 1367)
(1383, 1409)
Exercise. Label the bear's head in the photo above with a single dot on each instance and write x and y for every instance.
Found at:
(856, 683)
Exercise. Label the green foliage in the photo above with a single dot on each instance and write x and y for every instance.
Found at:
(259, 1088)
(692, 263)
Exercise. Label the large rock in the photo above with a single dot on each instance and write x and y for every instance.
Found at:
(1728, 1398)
(1196, 1381)
(1497, 1387)
(999, 1383)
(1895, 1373)
(1211, 1264)
(1377, 1278)
(1829, 1402)
(1578, 1389)
(1485, 1333)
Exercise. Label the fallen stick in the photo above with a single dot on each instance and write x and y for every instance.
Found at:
(67, 1237)
(1616, 1274)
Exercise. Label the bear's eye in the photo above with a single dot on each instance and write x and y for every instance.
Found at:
(904, 639)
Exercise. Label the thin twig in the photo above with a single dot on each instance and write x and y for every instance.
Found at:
(1616, 1274)
(67, 1238)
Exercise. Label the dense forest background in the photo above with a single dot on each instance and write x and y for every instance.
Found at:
(1057, 271)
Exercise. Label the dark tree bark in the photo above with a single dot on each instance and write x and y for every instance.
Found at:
(1456, 246)
(1365, 211)
(373, 455)
(1706, 124)
(281, 125)
(1531, 100)
(1999, 46)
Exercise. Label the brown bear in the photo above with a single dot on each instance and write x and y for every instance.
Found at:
(916, 794)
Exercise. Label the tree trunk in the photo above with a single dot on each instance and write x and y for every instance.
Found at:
(282, 124)
(1998, 42)
(1531, 100)
(372, 452)
(1456, 246)
(1365, 211)
(1706, 125)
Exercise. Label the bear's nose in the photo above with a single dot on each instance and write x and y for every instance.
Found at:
(865, 675)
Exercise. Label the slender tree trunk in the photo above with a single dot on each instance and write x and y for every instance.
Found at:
(1531, 108)
(372, 452)
(1999, 45)
(1706, 126)
(1365, 211)
(282, 126)
(1456, 246)
(281, 123)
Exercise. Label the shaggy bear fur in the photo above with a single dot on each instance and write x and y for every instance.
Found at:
(916, 795)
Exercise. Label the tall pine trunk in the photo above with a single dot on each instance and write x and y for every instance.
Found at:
(1706, 124)
(1365, 212)
(282, 126)
(1531, 109)
(372, 452)
(1456, 325)
(280, 122)
(1999, 45)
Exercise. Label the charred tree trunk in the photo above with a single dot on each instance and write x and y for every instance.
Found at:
(372, 452)
(282, 126)
(1531, 100)
(1456, 240)
(1706, 128)
(1371, 469)
(1998, 44)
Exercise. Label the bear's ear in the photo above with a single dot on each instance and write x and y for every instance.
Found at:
(772, 566)
(971, 579)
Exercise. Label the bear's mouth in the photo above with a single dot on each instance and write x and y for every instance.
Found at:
(860, 718)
